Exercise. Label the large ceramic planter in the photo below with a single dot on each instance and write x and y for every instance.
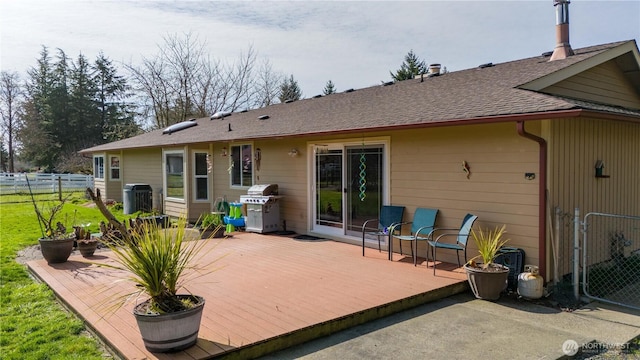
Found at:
(56, 251)
(170, 332)
(488, 283)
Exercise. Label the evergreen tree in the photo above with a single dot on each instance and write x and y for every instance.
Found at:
(35, 136)
(117, 118)
(71, 105)
(411, 67)
(83, 116)
(329, 88)
(289, 90)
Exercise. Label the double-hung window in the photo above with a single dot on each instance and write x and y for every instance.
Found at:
(98, 167)
(174, 174)
(114, 166)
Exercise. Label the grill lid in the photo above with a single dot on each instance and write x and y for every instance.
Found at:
(263, 190)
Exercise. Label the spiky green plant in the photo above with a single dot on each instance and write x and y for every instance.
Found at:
(158, 261)
(489, 242)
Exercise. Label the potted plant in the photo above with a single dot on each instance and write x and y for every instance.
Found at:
(211, 225)
(487, 279)
(157, 261)
(56, 244)
(85, 243)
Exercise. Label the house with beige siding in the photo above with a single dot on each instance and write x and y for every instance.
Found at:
(507, 142)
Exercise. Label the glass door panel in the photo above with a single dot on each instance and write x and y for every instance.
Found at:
(364, 190)
(329, 189)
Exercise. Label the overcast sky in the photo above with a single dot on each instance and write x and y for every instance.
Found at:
(354, 44)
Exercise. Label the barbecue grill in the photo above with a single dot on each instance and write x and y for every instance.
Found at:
(263, 208)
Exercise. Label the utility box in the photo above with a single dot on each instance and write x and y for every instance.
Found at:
(136, 197)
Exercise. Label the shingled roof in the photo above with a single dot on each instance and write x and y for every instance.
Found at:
(491, 93)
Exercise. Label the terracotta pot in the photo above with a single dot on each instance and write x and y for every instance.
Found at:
(487, 284)
(172, 331)
(56, 251)
(87, 247)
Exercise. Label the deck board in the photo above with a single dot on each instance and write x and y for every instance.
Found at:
(269, 292)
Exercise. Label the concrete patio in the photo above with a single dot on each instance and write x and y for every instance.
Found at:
(269, 293)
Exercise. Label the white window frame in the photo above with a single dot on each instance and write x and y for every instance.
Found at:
(232, 167)
(165, 153)
(111, 168)
(197, 176)
(98, 167)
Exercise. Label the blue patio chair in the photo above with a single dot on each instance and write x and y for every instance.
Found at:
(461, 234)
(424, 220)
(389, 216)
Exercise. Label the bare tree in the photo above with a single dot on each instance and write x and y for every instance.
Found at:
(182, 81)
(267, 86)
(10, 97)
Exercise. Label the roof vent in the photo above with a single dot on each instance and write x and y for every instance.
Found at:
(349, 90)
(288, 101)
(547, 53)
(317, 96)
(244, 111)
(179, 126)
(263, 117)
(220, 115)
(434, 69)
(487, 65)
(387, 83)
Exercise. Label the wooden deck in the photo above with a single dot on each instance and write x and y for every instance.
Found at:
(270, 293)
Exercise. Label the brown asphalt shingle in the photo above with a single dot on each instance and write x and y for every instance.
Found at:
(456, 96)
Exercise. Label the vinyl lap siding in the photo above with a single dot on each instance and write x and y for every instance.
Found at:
(575, 146)
(604, 84)
(143, 167)
(426, 171)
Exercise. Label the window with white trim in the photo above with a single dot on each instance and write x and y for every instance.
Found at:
(98, 167)
(174, 174)
(201, 176)
(114, 167)
(241, 165)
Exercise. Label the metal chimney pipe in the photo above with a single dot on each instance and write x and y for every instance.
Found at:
(563, 48)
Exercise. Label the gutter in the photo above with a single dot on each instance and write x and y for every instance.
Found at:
(542, 198)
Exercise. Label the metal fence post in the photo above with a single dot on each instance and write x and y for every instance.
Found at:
(576, 254)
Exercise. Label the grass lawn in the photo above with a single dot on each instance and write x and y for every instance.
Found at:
(34, 325)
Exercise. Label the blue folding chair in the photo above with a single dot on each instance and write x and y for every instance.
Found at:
(422, 225)
(389, 216)
(461, 234)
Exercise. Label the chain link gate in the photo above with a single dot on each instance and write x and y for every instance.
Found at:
(610, 257)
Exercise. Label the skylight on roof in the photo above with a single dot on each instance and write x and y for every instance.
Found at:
(220, 115)
(179, 126)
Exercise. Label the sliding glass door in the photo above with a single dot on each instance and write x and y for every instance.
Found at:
(348, 187)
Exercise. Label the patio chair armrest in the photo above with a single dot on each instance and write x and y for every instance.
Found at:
(393, 226)
(364, 225)
(445, 234)
(423, 228)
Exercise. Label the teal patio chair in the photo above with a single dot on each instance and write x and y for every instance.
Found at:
(461, 235)
(424, 220)
(389, 216)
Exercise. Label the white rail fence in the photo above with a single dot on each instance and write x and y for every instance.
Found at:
(43, 183)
